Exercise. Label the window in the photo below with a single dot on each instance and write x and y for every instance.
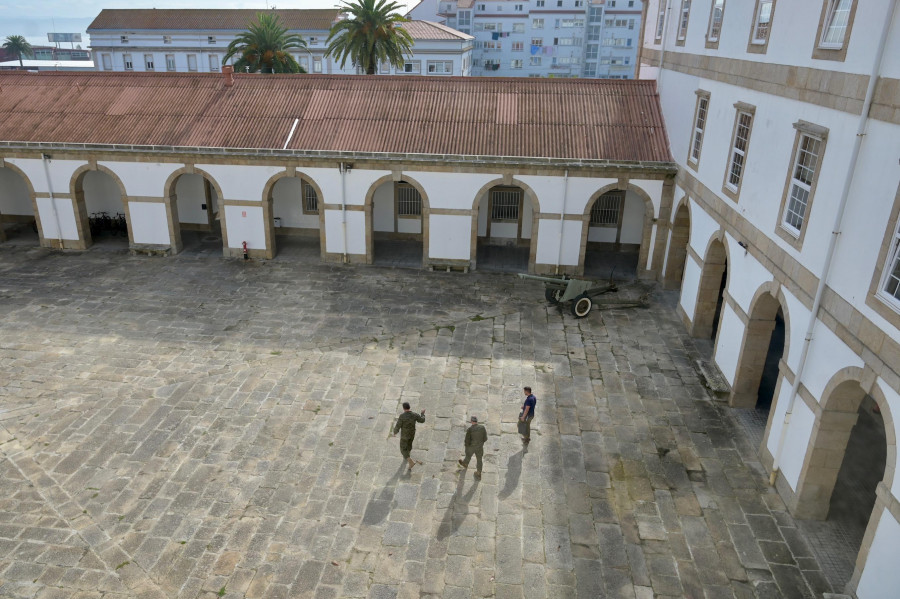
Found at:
(465, 18)
(591, 52)
(891, 284)
(313, 41)
(310, 199)
(499, 8)
(518, 8)
(167, 39)
(481, 7)
(715, 20)
(699, 126)
(107, 62)
(683, 20)
(210, 39)
(440, 67)
(148, 62)
(518, 28)
(660, 21)
(559, 2)
(317, 64)
(126, 58)
(607, 210)
(516, 64)
(535, 61)
(170, 62)
(834, 29)
(412, 67)
(593, 34)
(590, 70)
(763, 22)
(801, 183)
(518, 46)
(537, 41)
(123, 39)
(304, 63)
(213, 63)
(505, 204)
(579, 3)
(192, 62)
(537, 23)
(409, 202)
(539, 4)
(737, 155)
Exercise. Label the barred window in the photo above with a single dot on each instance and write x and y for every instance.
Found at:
(409, 202)
(606, 210)
(310, 199)
(505, 204)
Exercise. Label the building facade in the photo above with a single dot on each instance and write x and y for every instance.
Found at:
(194, 40)
(784, 118)
(546, 38)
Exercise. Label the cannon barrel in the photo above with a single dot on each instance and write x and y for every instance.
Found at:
(560, 279)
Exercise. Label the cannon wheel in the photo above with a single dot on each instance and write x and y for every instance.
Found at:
(581, 306)
(553, 295)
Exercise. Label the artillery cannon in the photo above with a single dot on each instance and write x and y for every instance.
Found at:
(582, 293)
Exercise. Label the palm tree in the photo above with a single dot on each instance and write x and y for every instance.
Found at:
(371, 34)
(264, 47)
(16, 45)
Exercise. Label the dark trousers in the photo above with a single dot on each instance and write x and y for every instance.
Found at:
(479, 454)
(406, 446)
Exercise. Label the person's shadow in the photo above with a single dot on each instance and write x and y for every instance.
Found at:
(513, 473)
(450, 523)
(377, 509)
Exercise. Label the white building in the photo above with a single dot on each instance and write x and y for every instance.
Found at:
(784, 118)
(545, 38)
(195, 40)
(48, 65)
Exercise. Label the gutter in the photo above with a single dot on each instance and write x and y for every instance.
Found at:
(835, 235)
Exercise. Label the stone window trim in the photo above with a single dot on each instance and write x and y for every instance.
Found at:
(883, 304)
(804, 129)
(713, 44)
(684, 17)
(691, 162)
(760, 48)
(838, 54)
(740, 108)
(660, 22)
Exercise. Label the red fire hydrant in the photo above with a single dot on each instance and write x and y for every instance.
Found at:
(246, 257)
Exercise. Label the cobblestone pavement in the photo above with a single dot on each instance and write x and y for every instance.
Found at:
(201, 427)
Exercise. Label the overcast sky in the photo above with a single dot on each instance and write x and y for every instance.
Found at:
(36, 18)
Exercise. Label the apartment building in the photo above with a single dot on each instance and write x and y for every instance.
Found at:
(784, 118)
(545, 38)
(195, 40)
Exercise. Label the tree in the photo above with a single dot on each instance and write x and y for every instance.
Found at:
(16, 45)
(265, 46)
(371, 34)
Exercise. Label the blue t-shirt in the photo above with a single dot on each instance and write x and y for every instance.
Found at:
(531, 400)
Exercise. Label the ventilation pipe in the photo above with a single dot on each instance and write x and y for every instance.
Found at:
(46, 160)
(835, 233)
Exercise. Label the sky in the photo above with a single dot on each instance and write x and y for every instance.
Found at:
(36, 18)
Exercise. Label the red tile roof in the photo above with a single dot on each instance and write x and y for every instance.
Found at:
(207, 19)
(429, 30)
(540, 118)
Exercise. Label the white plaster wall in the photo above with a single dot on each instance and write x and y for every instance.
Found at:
(65, 226)
(450, 190)
(881, 577)
(245, 223)
(893, 400)
(60, 173)
(797, 319)
(548, 248)
(287, 204)
(751, 275)
(190, 199)
(581, 189)
(602, 234)
(527, 218)
(827, 355)
(409, 225)
(240, 182)
(143, 178)
(796, 443)
(689, 286)
(383, 207)
(450, 236)
(149, 223)
(356, 232)
(505, 230)
(653, 232)
(703, 226)
(102, 194)
(14, 196)
(359, 182)
(333, 235)
(728, 342)
(633, 219)
(482, 216)
(779, 404)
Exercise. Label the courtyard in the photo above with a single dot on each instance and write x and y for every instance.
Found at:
(194, 426)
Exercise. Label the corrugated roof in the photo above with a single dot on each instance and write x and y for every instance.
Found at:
(548, 118)
(207, 19)
(429, 30)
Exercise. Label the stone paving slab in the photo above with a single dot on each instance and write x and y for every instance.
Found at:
(200, 427)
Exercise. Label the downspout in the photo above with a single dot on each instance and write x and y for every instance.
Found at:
(836, 231)
(46, 160)
(562, 222)
(343, 170)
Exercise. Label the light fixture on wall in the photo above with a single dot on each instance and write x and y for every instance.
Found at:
(743, 244)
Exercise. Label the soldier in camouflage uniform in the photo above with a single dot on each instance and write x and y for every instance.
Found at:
(476, 436)
(406, 426)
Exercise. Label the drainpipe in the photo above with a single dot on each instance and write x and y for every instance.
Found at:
(46, 160)
(836, 231)
(562, 216)
(343, 169)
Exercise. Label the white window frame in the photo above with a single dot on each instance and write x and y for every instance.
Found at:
(736, 152)
(757, 22)
(534, 61)
(699, 129)
(661, 20)
(710, 36)
(518, 28)
(192, 62)
(149, 62)
(891, 272)
(214, 65)
(167, 39)
(106, 61)
(793, 220)
(123, 39)
(411, 67)
(833, 7)
(128, 62)
(210, 39)
(515, 63)
(537, 23)
(170, 62)
(440, 67)
(683, 16)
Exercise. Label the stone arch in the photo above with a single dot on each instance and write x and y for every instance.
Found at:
(369, 201)
(715, 264)
(76, 191)
(838, 414)
(529, 195)
(647, 231)
(680, 238)
(172, 205)
(764, 306)
(268, 208)
(32, 196)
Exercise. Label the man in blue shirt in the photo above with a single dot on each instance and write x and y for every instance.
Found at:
(527, 414)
